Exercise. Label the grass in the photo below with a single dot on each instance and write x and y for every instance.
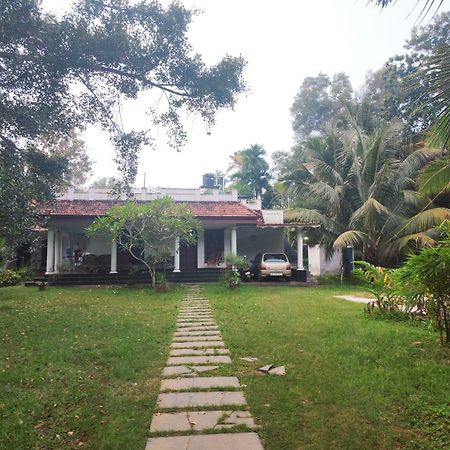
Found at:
(352, 382)
(80, 368)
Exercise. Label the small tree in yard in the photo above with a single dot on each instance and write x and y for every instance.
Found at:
(148, 231)
(427, 275)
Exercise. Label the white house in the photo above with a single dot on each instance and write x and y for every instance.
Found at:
(230, 225)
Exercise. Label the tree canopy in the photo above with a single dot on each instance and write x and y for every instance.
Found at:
(59, 74)
(250, 171)
(148, 231)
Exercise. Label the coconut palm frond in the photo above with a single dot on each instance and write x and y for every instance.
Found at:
(420, 240)
(325, 172)
(369, 212)
(304, 215)
(352, 238)
(424, 221)
(437, 73)
(435, 177)
(413, 199)
(417, 160)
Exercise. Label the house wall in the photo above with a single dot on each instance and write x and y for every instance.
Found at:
(252, 240)
(318, 263)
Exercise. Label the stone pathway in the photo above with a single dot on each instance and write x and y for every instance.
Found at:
(352, 298)
(194, 406)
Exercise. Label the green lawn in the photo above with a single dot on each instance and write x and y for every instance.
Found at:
(84, 365)
(81, 365)
(351, 382)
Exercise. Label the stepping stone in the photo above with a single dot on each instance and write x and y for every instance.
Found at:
(185, 332)
(185, 384)
(194, 322)
(197, 328)
(183, 360)
(226, 441)
(176, 370)
(200, 420)
(190, 337)
(198, 399)
(199, 352)
(201, 369)
(186, 371)
(195, 316)
(198, 344)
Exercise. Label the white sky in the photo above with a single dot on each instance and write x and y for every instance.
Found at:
(283, 42)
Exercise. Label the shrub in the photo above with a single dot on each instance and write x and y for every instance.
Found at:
(9, 278)
(378, 281)
(231, 278)
(426, 276)
(161, 283)
(26, 273)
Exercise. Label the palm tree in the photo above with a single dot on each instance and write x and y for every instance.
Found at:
(361, 189)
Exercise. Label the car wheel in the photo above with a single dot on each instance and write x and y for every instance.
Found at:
(258, 277)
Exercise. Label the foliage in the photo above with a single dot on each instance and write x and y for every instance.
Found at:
(435, 177)
(148, 231)
(231, 277)
(73, 149)
(26, 273)
(161, 283)
(251, 171)
(104, 183)
(319, 102)
(59, 74)
(28, 179)
(427, 5)
(378, 281)
(360, 188)
(427, 274)
(9, 278)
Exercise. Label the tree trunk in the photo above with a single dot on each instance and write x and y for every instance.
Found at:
(153, 274)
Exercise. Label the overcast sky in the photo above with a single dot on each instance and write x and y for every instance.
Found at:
(283, 42)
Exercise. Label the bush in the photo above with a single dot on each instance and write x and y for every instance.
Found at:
(231, 278)
(9, 278)
(426, 276)
(26, 273)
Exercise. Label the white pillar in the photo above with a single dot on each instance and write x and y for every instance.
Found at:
(113, 256)
(58, 251)
(233, 241)
(50, 251)
(300, 249)
(176, 262)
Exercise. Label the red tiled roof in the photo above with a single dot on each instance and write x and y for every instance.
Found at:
(93, 208)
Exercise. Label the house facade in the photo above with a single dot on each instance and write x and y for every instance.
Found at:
(229, 225)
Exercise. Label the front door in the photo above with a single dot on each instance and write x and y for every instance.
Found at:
(188, 257)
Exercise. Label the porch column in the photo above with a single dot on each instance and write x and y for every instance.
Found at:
(233, 241)
(113, 256)
(300, 249)
(50, 251)
(58, 251)
(176, 261)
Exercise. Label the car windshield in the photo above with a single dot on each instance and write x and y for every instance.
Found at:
(275, 257)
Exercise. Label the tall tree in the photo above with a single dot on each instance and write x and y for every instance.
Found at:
(73, 149)
(319, 101)
(361, 189)
(251, 171)
(405, 87)
(61, 73)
